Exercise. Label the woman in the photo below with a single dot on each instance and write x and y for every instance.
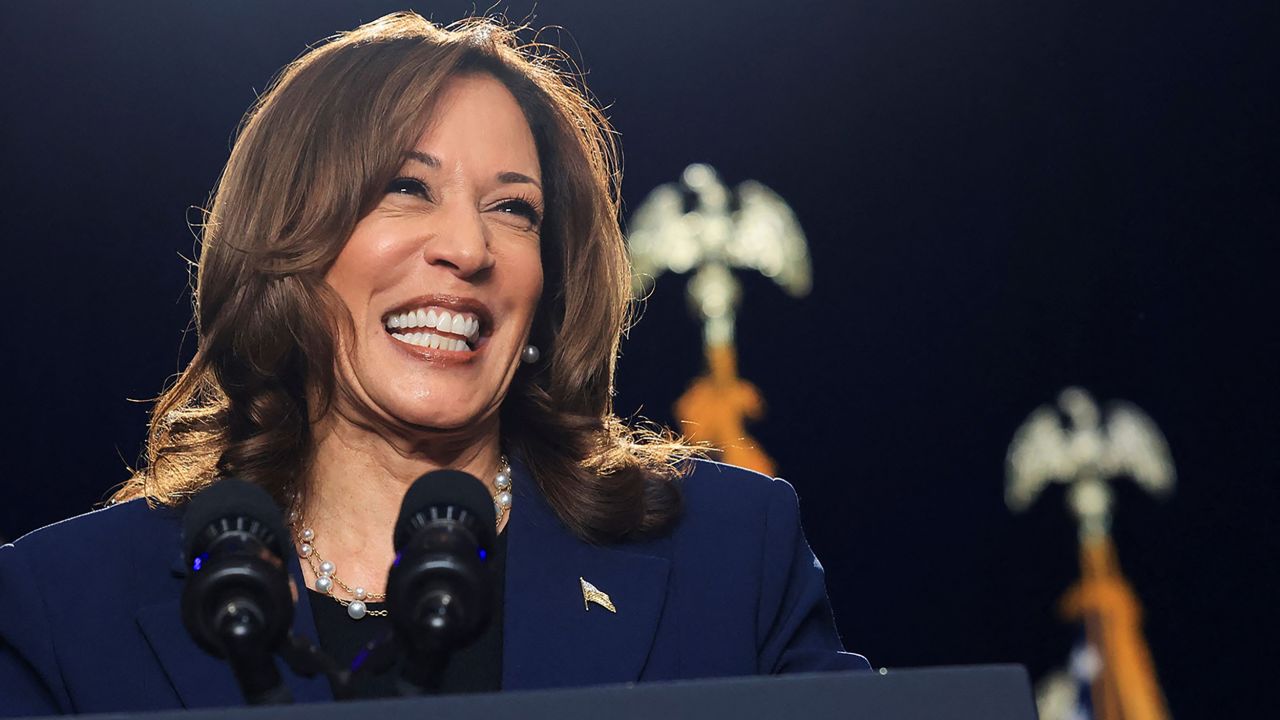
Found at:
(413, 262)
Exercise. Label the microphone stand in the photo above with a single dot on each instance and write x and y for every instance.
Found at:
(240, 628)
(422, 671)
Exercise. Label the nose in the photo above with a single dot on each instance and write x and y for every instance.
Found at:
(460, 244)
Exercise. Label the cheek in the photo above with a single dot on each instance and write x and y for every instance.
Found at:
(532, 295)
(367, 262)
(347, 275)
(536, 277)
(531, 303)
(520, 278)
(535, 291)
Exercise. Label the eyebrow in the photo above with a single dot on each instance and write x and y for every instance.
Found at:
(428, 160)
(515, 177)
(508, 176)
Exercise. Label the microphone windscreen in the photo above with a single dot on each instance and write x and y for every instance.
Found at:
(229, 499)
(443, 489)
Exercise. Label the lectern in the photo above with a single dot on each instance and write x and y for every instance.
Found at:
(983, 692)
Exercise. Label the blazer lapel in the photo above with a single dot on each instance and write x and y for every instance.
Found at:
(551, 638)
(199, 679)
(202, 680)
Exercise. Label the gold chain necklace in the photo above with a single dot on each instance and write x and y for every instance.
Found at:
(326, 573)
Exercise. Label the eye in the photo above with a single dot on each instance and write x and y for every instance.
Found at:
(526, 209)
(409, 186)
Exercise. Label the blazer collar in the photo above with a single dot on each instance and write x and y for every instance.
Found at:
(551, 637)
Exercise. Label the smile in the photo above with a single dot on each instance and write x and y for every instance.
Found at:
(436, 328)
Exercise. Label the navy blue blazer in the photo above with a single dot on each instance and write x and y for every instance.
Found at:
(90, 622)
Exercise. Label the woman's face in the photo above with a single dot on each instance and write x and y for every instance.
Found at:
(443, 277)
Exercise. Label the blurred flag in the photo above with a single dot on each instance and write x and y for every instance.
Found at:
(698, 225)
(1111, 675)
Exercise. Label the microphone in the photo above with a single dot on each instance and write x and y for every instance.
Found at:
(440, 588)
(238, 601)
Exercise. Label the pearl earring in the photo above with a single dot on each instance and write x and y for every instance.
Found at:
(530, 354)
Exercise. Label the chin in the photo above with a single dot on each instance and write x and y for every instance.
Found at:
(442, 416)
(427, 404)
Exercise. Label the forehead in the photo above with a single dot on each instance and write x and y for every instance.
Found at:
(477, 122)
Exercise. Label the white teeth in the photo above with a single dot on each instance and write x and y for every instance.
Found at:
(454, 323)
(433, 341)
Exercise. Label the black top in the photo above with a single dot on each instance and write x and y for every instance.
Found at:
(475, 668)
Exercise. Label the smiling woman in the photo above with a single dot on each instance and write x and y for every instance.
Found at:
(413, 262)
(395, 143)
(452, 248)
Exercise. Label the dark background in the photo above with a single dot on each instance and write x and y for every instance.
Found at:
(1002, 198)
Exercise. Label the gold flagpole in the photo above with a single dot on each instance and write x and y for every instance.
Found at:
(715, 407)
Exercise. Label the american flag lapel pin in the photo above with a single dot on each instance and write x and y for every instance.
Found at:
(592, 594)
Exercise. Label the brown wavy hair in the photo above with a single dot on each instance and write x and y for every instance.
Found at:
(313, 156)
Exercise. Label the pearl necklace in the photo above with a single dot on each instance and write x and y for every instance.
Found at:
(326, 573)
